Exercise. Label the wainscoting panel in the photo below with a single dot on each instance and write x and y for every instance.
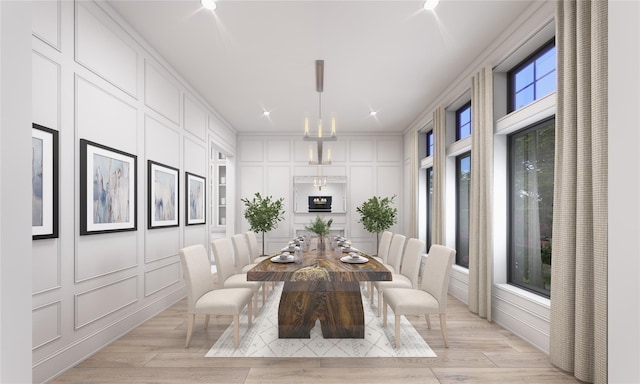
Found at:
(162, 277)
(278, 150)
(104, 118)
(101, 50)
(161, 243)
(102, 254)
(97, 303)
(45, 265)
(250, 150)
(161, 143)
(195, 159)
(160, 94)
(195, 118)
(45, 91)
(46, 23)
(389, 149)
(361, 150)
(47, 324)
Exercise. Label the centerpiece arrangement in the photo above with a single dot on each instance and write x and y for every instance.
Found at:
(321, 228)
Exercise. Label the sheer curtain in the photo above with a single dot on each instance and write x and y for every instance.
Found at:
(579, 262)
(439, 158)
(481, 194)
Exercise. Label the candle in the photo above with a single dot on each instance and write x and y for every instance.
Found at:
(319, 128)
(306, 126)
(329, 154)
(333, 126)
(310, 153)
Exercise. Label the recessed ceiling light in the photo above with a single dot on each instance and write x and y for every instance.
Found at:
(208, 4)
(430, 5)
(373, 113)
(266, 113)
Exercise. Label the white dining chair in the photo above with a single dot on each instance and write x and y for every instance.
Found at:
(430, 298)
(202, 298)
(254, 251)
(394, 258)
(227, 278)
(241, 253)
(409, 270)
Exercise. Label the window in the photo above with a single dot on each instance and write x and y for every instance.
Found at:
(463, 122)
(531, 154)
(533, 78)
(429, 136)
(429, 206)
(463, 186)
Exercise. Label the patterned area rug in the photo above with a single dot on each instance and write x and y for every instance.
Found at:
(261, 340)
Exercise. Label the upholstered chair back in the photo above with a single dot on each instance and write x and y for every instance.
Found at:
(395, 251)
(254, 251)
(410, 266)
(437, 273)
(223, 254)
(383, 245)
(241, 251)
(196, 269)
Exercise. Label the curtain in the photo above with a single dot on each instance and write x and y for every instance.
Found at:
(413, 169)
(579, 253)
(439, 159)
(481, 194)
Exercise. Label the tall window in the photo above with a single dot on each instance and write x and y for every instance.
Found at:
(531, 153)
(463, 185)
(463, 122)
(533, 78)
(429, 137)
(429, 205)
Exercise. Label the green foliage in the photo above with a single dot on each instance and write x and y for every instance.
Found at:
(263, 213)
(319, 226)
(377, 214)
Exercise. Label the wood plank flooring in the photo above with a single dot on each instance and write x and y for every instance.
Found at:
(154, 352)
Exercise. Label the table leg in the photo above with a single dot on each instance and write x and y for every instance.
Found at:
(338, 306)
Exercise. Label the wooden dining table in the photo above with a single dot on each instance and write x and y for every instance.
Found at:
(319, 286)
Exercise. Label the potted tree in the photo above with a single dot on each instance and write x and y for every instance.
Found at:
(321, 228)
(377, 215)
(263, 214)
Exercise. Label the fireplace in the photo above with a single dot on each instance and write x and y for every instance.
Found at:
(319, 203)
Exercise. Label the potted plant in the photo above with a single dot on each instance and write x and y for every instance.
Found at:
(321, 228)
(263, 214)
(377, 215)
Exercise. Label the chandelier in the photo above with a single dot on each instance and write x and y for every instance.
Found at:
(320, 138)
(320, 183)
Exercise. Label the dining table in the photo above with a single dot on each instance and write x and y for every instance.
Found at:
(321, 284)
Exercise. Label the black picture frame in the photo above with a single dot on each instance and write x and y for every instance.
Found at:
(108, 189)
(163, 194)
(195, 199)
(44, 182)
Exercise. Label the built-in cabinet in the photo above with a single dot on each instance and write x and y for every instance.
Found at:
(221, 202)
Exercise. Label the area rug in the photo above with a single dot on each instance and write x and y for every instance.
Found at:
(261, 339)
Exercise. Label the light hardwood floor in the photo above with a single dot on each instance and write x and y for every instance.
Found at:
(154, 352)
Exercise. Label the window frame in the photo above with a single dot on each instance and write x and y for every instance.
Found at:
(459, 111)
(429, 139)
(429, 205)
(460, 255)
(511, 92)
(510, 205)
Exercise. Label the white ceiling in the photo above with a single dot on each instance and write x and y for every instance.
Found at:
(392, 57)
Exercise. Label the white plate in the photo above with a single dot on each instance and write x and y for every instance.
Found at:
(350, 249)
(288, 249)
(354, 260)
(278, 259)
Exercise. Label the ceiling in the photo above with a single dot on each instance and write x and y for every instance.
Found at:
(247, 57)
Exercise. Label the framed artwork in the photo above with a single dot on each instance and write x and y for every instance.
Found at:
(162, 187)
(195, 202)
(108, 179)
(44, 182)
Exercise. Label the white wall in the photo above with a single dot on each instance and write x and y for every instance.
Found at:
(94, 78)
(372, 165)
(15, 179)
